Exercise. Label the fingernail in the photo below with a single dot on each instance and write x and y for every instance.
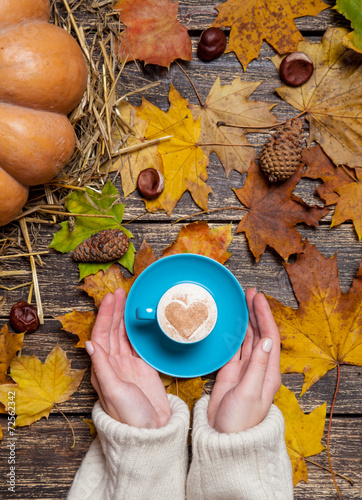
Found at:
(267, 345)
(89, 347)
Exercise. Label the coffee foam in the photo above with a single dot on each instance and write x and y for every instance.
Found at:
(187, 313)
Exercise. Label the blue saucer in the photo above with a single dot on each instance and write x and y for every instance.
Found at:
(187, 360)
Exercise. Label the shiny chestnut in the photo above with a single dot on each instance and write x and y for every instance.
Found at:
(24, 317)
(212, 44)
(150, 183)
(296, 69)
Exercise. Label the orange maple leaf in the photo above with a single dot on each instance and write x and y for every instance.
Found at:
(78, 323)
(303, 433)
(184, 161)
(273, 213)
(341, 185)
(253, 21)
(190, 390)
(99, 284)
(199, 238)
(326, 329)
(153, 33)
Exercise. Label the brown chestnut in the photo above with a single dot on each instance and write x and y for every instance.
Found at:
(296, 69)
(24, 317)
(150, 183)
(212, 44)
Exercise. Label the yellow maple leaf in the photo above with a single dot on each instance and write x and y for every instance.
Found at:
(131, 164)
(10, 344)
(184, 162)
(229, 104)
(40, 386)
(79, 323)
(326, 329)
(331, 98)
(197, 237)
(303, 433)
(190, 390)
(253, 21)
(92, 427)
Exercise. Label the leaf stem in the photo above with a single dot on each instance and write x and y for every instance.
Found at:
(325, 468)
(192, 83)
(70, 425)
(223, 124)
(329, 430)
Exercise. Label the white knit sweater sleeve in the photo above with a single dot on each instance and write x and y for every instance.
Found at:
(126, 463)
(249, 465)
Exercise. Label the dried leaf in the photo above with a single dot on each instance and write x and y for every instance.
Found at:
(132, 163)
(274, 211)
(92, 427)
(253, 21)
(153, 33)
(332, 98)
(229, 104)
(303, 433)
(40, 386)
(184, 162)
(199, 238)
(326, 329)
(342, 186)
(101, 204)
(103, 282)
(190, 390)
(78, 323)
(351, 10)
(10, 344)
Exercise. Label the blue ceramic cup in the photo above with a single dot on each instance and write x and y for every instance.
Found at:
(185, 313)
(186, 359)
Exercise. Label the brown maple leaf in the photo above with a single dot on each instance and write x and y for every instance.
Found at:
(229, 104)
(197, 237)
(326, 329)
(78, 323)
(341, 185)
(332, 97)
(99, 284)
(273, 213)
(153, 33)
(253, 21)
(184, 162)
(303, 433)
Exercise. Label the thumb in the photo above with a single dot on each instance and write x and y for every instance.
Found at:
(254, 376)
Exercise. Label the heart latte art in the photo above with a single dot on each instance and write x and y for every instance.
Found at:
(187, 313)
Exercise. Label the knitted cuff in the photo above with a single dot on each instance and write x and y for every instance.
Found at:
(252, 464)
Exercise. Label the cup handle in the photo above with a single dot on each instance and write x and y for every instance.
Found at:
(147, 313)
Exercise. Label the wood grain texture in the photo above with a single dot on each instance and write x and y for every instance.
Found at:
(46, 464)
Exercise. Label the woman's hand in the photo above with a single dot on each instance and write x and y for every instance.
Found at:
(245, 387)
(129, 389)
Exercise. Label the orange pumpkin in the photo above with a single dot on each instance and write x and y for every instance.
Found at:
(43, 76)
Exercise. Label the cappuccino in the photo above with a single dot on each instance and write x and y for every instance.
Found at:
(187, 313)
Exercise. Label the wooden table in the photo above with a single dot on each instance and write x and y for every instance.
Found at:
(45, 463)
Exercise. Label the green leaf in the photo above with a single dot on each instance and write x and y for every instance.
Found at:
(352, 10)
(91, 202)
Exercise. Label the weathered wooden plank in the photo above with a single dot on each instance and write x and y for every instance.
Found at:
(59, 278)
(46, 463)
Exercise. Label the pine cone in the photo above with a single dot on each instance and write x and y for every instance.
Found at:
(107, 245)
(282, 153)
